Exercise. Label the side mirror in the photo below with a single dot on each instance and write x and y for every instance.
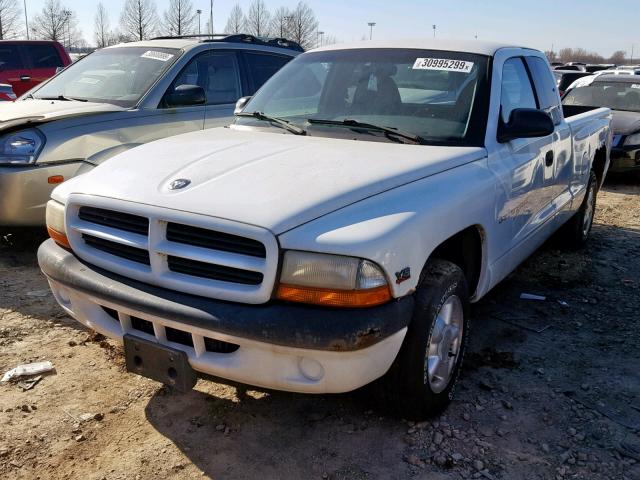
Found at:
(186, 96)
(240, 104)
(525, 123)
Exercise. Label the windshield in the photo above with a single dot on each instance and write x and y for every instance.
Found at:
(439, 96)
(614, 95)
(119, 75)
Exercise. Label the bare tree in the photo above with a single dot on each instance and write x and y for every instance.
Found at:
(102, 33)
(619, 57)
(237, 22)
(304, 26)
(10, 21)
(139, 19)
(51, 22)
(180, 17)
(258, 19)
(281, 22)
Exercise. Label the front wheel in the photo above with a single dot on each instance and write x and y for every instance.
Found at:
(422, 379)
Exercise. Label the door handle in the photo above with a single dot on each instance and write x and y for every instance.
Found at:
(25, 78)
(548, 158)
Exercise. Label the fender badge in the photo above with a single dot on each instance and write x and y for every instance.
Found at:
(179, 184)
(403, 275)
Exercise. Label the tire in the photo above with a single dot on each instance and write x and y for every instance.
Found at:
(409, 388)
(575, 232)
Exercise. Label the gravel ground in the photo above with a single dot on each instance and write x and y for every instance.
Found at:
(550, 389)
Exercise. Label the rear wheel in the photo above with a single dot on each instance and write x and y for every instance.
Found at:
(422, 379)
(575, 232)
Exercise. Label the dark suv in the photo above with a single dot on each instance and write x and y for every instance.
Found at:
(26, 63)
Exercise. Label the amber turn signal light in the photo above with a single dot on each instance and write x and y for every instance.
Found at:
(55, 179)
(58, 237)
(334, 298)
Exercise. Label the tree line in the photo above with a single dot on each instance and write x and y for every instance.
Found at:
(141, 20)
(564, 55)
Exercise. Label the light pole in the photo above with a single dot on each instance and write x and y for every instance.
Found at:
(320, 34)
(371, 25)
(434, 31)
(211, 18)
(26, 18)
(199, 12)
(633, 46)
(67, 14)
(287, 18)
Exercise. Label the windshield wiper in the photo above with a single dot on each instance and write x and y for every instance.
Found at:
(62, 98)
(369, 126)
(278, 121)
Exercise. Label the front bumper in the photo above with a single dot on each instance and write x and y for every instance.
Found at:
(625, 160)
(281, 346)
(25, 191)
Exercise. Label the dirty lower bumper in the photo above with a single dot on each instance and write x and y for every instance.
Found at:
(25, 191)
(282, 346)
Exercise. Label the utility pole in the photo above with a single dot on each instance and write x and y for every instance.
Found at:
(211, 18)
(633, 46)
(199, 12)
(26, 18)
(286, 18)
(371, 25)
(67, 15)
(320, 34)
(434, 31)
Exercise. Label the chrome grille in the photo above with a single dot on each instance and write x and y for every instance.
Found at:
(191, 253)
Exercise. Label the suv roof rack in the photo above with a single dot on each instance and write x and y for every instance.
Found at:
(240, 38)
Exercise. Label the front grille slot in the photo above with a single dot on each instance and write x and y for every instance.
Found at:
(218, 346)
(225, 242)
(179, 336)
(112, 219)
(134, 254)
(214, 272)
(142, 325)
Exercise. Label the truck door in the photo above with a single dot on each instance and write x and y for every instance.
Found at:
(522, 163)
(559, 171)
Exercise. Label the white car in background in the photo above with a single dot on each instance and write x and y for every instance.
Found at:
(118, 98)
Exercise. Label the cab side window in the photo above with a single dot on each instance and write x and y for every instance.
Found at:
(217, 73)
(545, 87)
(517, 91)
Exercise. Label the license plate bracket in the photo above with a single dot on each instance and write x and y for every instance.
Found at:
(159, 362)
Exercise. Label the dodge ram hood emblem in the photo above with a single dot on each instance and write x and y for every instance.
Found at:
(179, 184)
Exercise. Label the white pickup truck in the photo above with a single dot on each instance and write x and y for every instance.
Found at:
(335, 235)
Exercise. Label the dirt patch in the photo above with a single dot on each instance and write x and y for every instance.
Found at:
(550, 390)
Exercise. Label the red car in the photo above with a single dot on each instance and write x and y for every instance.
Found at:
(24, 63)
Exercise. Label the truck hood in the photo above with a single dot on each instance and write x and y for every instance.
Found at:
(625, 123)
(272, 180)
(40, 111)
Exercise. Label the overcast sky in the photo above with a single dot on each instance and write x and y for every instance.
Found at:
(592, 24)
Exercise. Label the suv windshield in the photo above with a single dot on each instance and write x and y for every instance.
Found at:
(439, 97)
(119, 75)
(614, 95)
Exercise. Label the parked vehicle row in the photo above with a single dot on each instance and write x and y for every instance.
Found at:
(335, 235)
(620, 93)
(118, 98)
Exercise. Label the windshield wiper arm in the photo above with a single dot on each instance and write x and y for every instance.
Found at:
(369, 126)
(279, 121)
(62, 98)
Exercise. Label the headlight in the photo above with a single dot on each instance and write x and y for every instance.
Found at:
(332, 280)
(633, 139)
(55, 223)
(21, 147)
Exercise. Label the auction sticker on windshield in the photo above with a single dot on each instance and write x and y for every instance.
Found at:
(162, 56)
(443, 64)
